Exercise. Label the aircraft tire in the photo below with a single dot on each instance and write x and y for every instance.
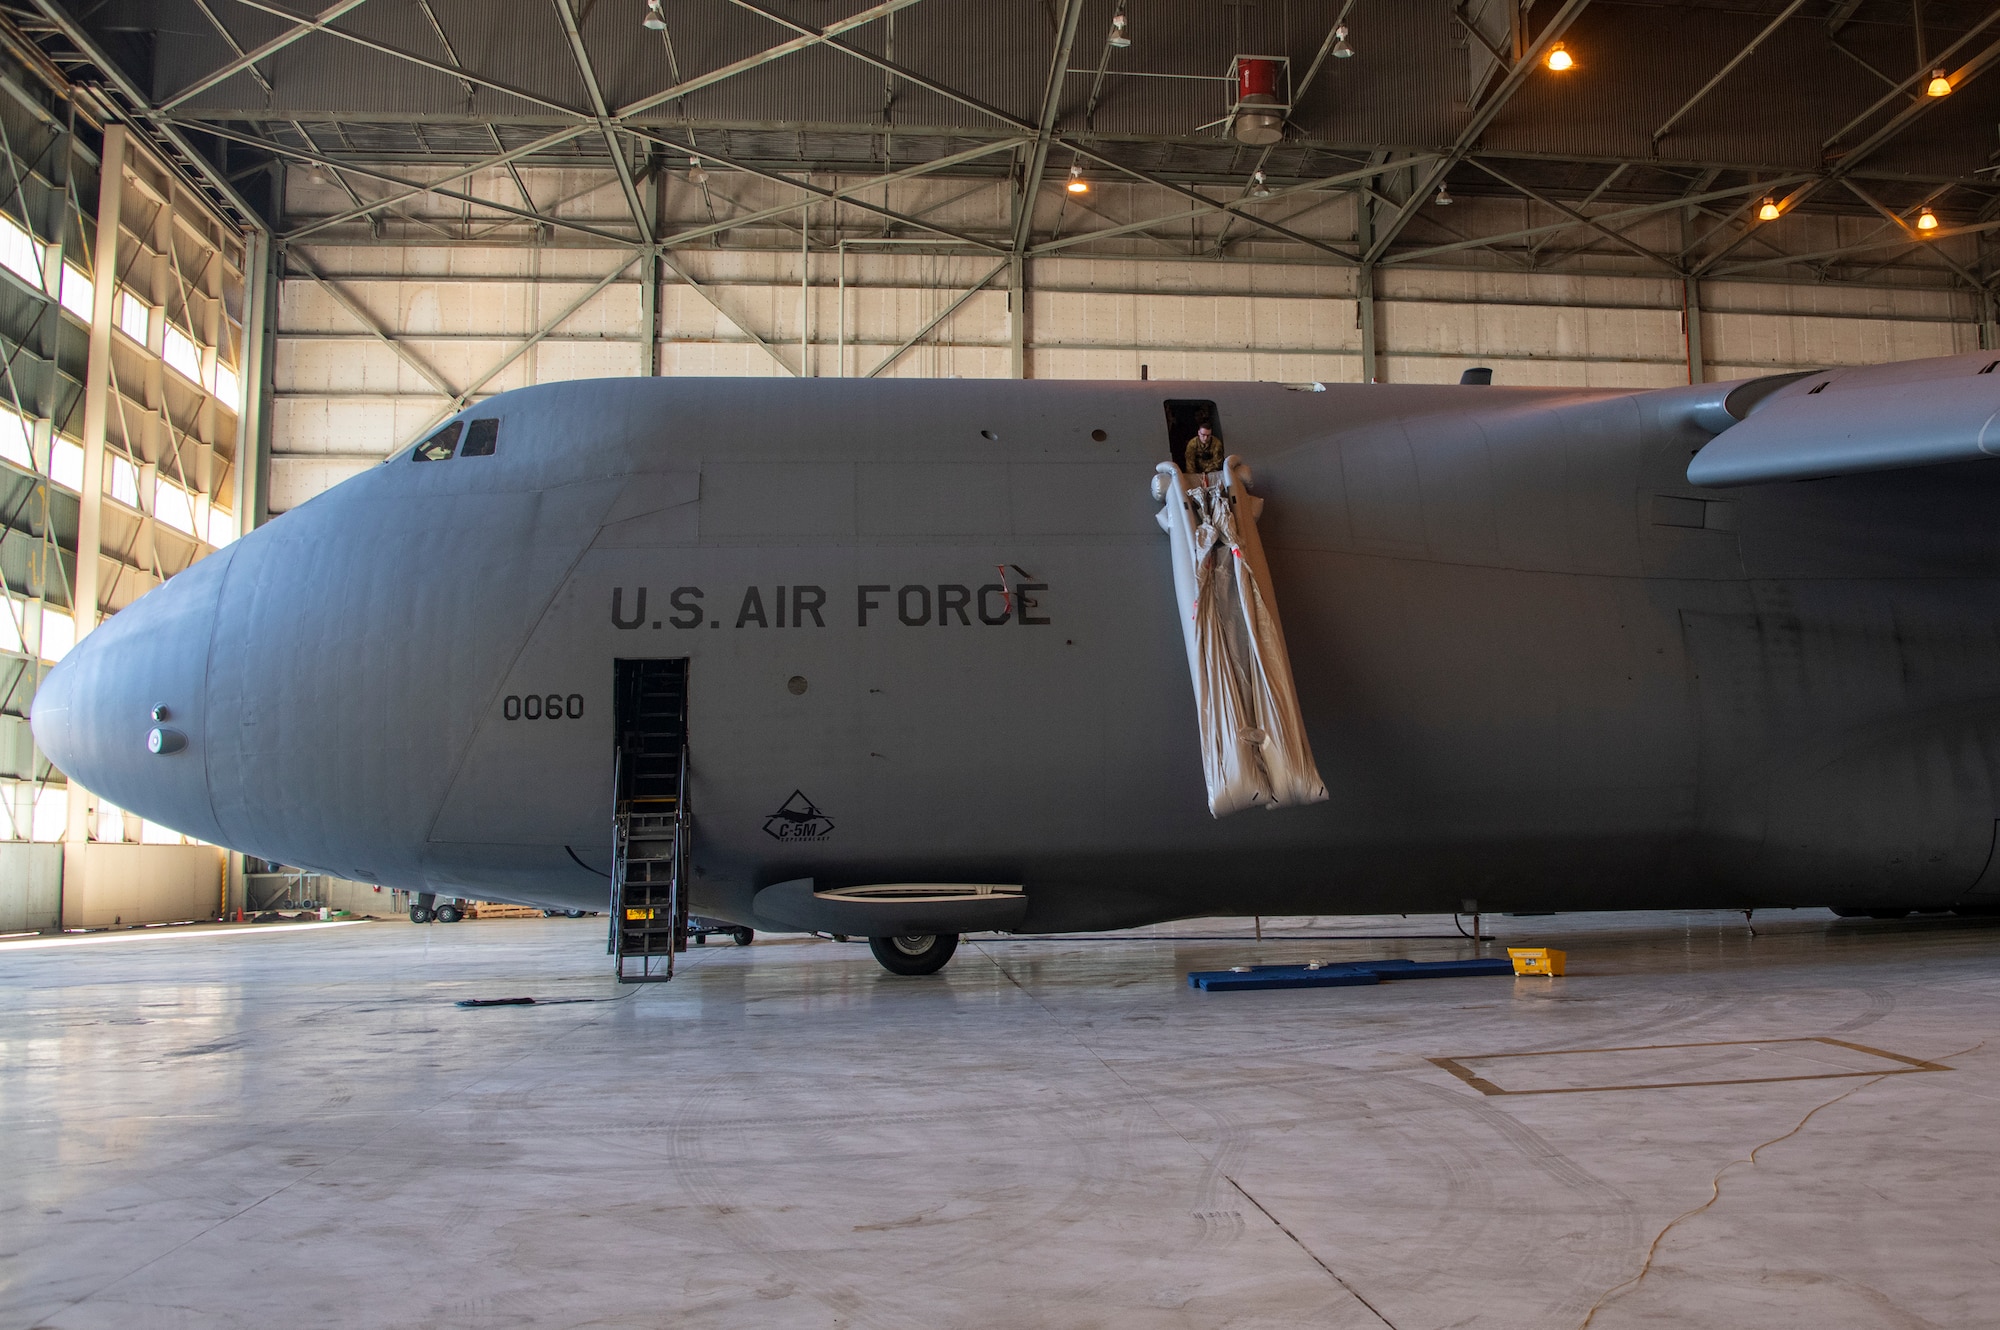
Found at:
(743, 936)
(922, 954)
(573, 914)
(419, 915)
(449, 914)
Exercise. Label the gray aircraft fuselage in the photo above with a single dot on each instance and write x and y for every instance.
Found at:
(932, 637)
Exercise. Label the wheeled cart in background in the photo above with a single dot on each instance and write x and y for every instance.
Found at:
(699, 931)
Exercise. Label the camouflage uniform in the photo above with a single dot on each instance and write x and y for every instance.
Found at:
(1203, 458)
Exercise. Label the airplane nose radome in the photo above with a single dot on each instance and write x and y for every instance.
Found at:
(49, 717)
(123, 715)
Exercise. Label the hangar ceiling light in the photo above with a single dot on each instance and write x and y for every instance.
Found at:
(654, 20)
(1927, 220)
(1443, 200)
(1341, 50)
(1077, 184)
(1940, 85)
(1120, 38)
(1559, 58)
(1768, 212)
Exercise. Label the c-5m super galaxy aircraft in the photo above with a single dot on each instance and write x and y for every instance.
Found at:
(908, 655)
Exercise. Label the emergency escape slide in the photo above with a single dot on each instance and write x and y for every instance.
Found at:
(1253, 739)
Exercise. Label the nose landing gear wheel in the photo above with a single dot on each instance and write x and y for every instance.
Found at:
(922, 953)
(419, 915)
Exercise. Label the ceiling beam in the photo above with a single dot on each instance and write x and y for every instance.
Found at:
(1209, 204)
(603, 114)
(251, 57)
(414, 188)
(810, 37)
(841, 193)
(1512, 82)
(1029, 189)
(460, 75)
(1579, 218)
(1728, 69)
(1901, 121)
(1233, 207)
(1606, 219)
(818, 191)
(902, 72)
(1876, 241)
(1913, 234)
(140, 106)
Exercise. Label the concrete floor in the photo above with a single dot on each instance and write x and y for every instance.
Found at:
(301, 1129)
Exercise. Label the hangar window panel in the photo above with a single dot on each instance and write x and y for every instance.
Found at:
(225, 384)
(440, 445)
(481, 437)
(17, 437)
(50, 819)
(66, 465)
(58, 634)
(19, 252)
(181, 354)
(79, 293)
(124, 479)
(134, 315)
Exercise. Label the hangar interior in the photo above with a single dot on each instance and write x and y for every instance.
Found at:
(338, 226)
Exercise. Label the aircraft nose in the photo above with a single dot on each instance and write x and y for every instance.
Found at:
(123, 714)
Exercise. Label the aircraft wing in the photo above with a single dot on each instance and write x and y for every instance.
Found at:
(1839, 422)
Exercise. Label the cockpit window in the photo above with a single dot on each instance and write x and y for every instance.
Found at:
(439, 446)
(482, 438)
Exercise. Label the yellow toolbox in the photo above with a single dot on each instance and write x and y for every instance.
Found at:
(1536, 960)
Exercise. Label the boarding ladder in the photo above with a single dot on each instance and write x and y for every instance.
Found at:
(650, 824)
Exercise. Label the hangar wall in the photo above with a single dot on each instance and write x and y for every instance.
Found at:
(373, 330)
(122, 365)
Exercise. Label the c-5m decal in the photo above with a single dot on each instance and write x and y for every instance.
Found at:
(946, 604)
(798, 819)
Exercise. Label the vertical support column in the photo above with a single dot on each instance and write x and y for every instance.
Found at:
(1017, 317)
(1364, 319)
(1697, 358)
(46, 568)
(253, 441)
(649, 313)
(1989, 321)
(649, 275)
(805, 289)
(96, 413)
(97, 379)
